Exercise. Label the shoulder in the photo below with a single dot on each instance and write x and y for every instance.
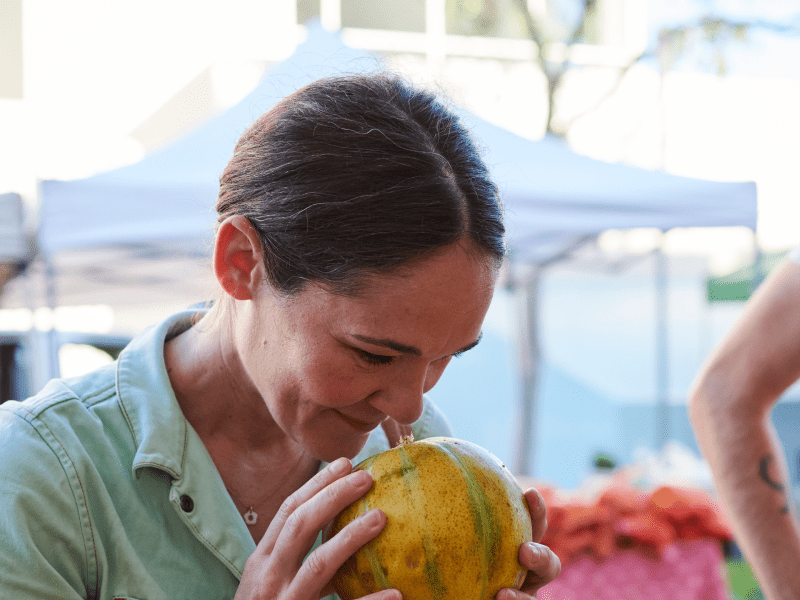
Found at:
(56, 450)
(62, 410)
(794, 255)
(42, 514)
(432, 423)
(50, 441)
(56, 426)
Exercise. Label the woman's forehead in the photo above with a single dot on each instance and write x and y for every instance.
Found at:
(448, 290)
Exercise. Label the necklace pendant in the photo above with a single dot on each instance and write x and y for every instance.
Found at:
(250, 517)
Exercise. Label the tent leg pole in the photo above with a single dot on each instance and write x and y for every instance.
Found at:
(53, 368)
(528, 341)
(662, 350)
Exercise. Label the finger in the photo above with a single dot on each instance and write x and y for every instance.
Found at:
(538, 511)
(336, 470)
(321, 565)
(303, 526)
(543, 566)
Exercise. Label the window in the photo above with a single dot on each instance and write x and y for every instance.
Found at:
(11, 49)
(620, 24)
(307, 10)
(408, 15)
(486, 18)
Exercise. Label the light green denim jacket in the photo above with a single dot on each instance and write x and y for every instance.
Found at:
(107, 492)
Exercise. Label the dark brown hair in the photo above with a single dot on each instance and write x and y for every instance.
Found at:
(359, 175)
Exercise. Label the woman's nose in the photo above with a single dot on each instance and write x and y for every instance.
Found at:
(401, 397)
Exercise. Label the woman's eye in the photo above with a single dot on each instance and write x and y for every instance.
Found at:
(375, 359)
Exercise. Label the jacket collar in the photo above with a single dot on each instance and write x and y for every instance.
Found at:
(148, 401)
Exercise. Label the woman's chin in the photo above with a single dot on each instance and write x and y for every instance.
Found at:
(331, 447)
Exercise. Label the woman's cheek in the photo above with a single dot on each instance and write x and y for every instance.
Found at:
(344, 384)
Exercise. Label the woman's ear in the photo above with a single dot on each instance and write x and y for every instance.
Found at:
(238, 258)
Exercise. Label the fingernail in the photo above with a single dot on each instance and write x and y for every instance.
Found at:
(393, 595)
(338, 466)
(359, 478)
(373, 518)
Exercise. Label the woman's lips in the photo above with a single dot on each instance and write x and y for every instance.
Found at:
(356, 424)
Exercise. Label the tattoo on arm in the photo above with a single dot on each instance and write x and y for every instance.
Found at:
(763, 467)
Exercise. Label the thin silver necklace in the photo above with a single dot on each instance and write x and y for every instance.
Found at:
(250, 516)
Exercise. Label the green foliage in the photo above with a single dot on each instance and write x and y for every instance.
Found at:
(739, 285)
(705, 42)
(604, 462)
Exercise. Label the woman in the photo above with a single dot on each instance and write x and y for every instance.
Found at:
(358, 242)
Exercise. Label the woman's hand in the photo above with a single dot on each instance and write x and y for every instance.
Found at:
(276, 571)
(542, 563)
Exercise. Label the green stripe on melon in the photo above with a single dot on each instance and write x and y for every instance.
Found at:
(455, 520)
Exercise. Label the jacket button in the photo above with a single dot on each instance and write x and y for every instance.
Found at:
(187, 504)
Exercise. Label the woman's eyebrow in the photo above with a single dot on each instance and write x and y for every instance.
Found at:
(403, 348)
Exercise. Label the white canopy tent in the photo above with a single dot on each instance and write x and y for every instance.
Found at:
(553, 198)
(14, 251)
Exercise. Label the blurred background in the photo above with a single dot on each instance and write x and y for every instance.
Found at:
(590, 346)
(622, 318)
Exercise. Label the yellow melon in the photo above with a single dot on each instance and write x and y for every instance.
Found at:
(456, 518)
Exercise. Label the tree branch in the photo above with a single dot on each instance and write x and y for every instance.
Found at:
(716, 29)
(534, 33)
(580, 29)
(600, 101)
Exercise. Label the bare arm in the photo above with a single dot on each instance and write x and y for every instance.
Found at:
(730, 405)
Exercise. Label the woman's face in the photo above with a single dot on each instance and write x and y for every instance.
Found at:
(331, 368)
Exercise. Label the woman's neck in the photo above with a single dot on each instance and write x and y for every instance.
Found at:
(213, 389)
(251, 452)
